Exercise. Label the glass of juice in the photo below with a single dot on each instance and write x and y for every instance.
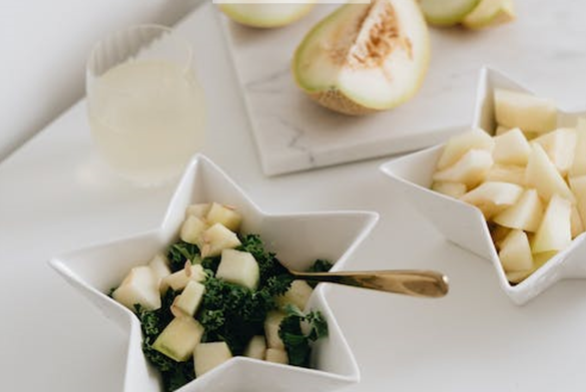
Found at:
(146, 109)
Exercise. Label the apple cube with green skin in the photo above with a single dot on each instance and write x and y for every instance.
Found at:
(490, 13)
(526, 214)
(469, 170)
(297, 295)
(160, 266)
(256, 348)
(225, 215)
(493, 197)
(239, 268)
(179, 280)
(579, 165)
(452, 189)
(511, 148)
(555, 230)
(179, 338)
(521, 110)
(559, 146)
(515, 253)
(139, 287)
(192, 230)
(199, 210)
(578, 185)
(506, 173)
(272, 325)
(207, 356)
(189, 300)
(217, 238)
(459, 145)
(542, 175)
(276, 355)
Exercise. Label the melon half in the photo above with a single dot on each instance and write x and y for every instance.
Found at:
(364, 58)
(264, 14)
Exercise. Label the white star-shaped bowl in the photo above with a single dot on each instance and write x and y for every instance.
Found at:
(298, 239)
(463, 224)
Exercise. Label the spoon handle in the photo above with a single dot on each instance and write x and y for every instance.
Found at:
(415, 283)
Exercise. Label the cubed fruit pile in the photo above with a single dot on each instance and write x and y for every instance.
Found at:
(529, 180)
(216, 294)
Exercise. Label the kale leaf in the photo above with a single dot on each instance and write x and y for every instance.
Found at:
(267, 262)
(297, 344)
(320, 265)
(180, 252)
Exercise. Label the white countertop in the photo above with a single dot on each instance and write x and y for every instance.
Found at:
(54, 198)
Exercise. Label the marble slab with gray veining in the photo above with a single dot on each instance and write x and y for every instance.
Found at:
(544, 49)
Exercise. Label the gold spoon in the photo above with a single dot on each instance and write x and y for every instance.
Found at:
(416, 283)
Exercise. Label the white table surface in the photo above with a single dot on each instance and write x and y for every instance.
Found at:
(53, 198)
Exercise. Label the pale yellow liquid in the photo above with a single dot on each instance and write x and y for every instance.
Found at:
(147, 118)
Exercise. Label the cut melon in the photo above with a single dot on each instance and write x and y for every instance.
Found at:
(511, 148)
(459, 145)
(514, 109)
(490, 13)
(266, 14)
(256, 348)
(525, 214)
(579, 165)
(275, 355)
(216, 239)
(542, 175)
(179, 338)
(239, 268)
(207, 356)
(470, 170)
(189, 300)
(578, 185)
(506, 173)
(226, 215)
(515, 254)
(297, 295)
(493, 197)
(560, 146)
(364, 58)
(555, 230)
(140, 287)
(452, 189)
(192, 229)
(447, 12)
(272, 325)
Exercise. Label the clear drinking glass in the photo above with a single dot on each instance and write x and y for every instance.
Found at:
(146, 109)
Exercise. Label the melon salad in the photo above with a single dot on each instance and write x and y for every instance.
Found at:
(216, 294)
(529, 180)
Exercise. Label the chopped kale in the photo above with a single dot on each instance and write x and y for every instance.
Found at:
(297, 344)
(320, 265)
(267, 262)
(180, 252)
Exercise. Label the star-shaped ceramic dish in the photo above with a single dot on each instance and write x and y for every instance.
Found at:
(298, 239)
(464, 224)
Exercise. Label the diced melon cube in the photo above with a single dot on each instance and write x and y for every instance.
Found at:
(500, 130)
(521, 110)
(139, 287)
(199, 210)
(470, 170)
(459, 145)
(579, 164)
(189, 300)
(272, 325)
(578, 185)
(225, 215)
(160, 266)
(559, 146)
(239, 268)
(542, 175)
(511, 148)
(179, 338)
(179, 280)
(298, 295)
(208, 356)
(192, 230)
(256, 348)
(525, 214)
(498, 235)
(493, 197)
(576, 222)
(506, 173)
(515, 254)
(277, 356)
(518, 276)
(555, 230)
(452, 189)
(216, 239)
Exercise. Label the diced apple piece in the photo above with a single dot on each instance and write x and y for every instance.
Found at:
(525, 214)
(192, 229)
(560, 146)
(579, 165)
(179, 338)
(256, 348)
(493, 197)
(239, 268)
(225, 215)
(452, 189)
(511, 148)
(216, 239)
(498, 235)
(139, 287)
(555, 230)
(520, 110)
(272, 325)
(277, 356)
(189, 300)
(470, 170)
(506, 173)
(179, 280)
(298, 295)
(515, 254)
(199, 210)
(501, 130)
(459, 145)
(208, 356)
(160, 267)
(578, 185)
(576, 222)
(542, 175)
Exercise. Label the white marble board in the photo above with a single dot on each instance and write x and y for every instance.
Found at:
(544, 49)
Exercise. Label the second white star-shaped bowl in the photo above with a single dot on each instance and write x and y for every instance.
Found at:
(297, 239)
(463, 224)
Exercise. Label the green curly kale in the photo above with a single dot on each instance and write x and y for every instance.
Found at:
(320, 265)
(297, 344)
(181, 251)
(267, 262)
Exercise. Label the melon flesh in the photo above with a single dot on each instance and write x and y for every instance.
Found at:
(266, 15)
